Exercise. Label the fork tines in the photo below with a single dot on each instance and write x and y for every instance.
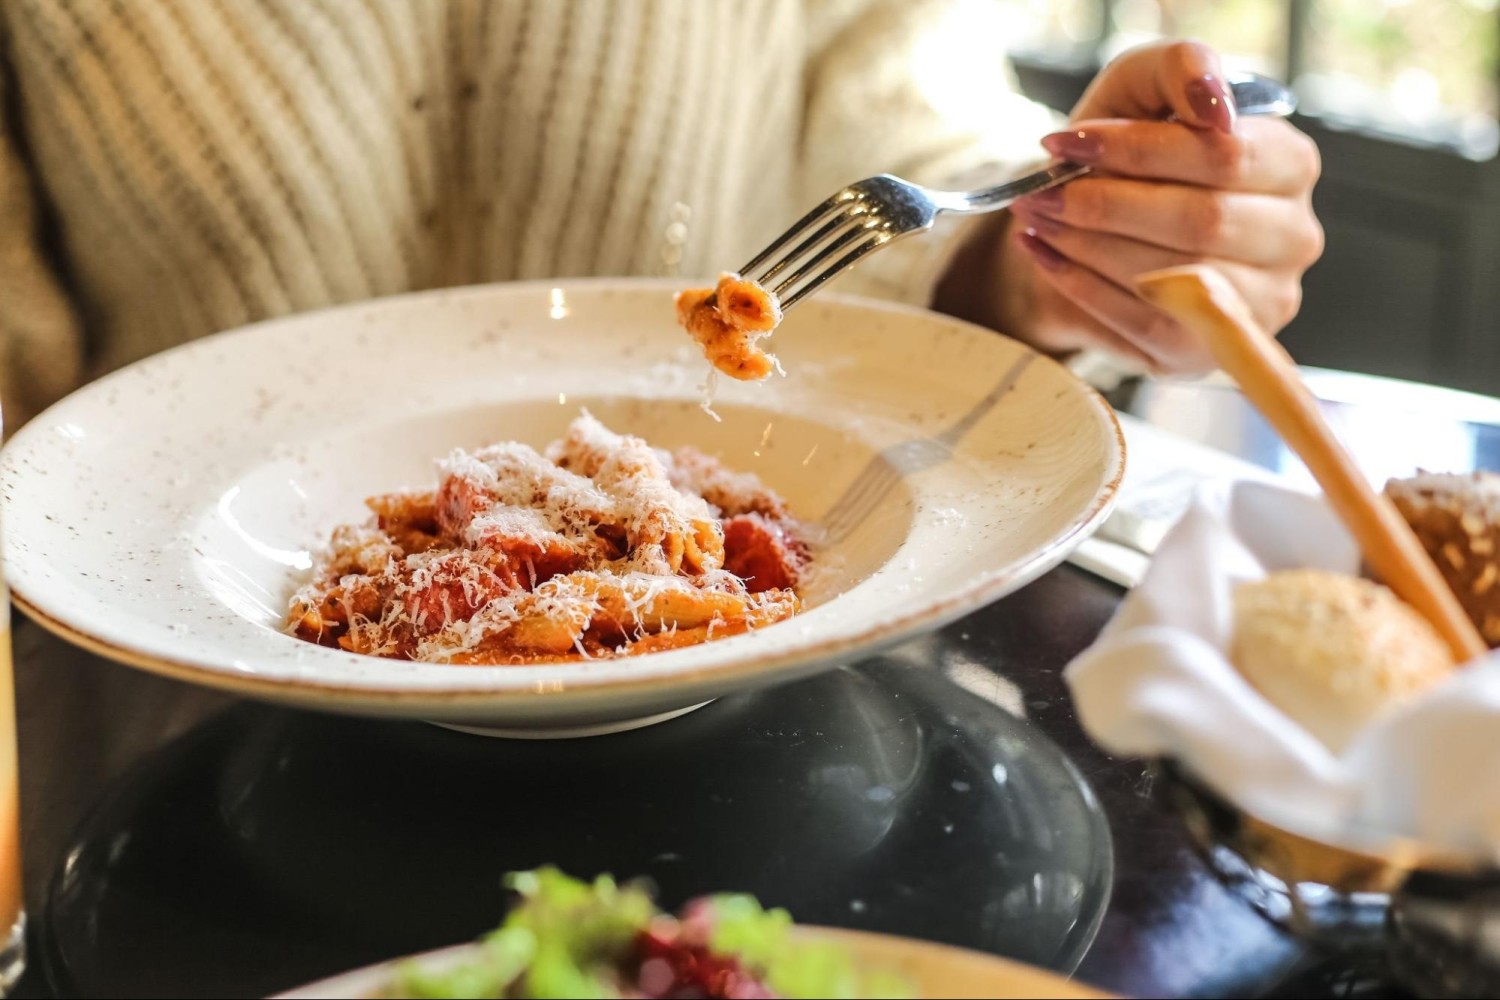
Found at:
(851, 228)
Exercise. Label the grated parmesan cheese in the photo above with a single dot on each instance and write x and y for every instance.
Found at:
(710, 389)
(599, 544)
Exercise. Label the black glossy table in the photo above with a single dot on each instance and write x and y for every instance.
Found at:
(180, 841)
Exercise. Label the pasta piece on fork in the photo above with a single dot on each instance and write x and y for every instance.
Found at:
(728, 321)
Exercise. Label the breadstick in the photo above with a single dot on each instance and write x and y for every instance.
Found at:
(1205, 302)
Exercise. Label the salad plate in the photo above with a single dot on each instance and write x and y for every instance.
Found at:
(567, 936)
(930, 969)
(164, 515)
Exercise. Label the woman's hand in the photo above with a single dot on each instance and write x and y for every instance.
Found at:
(1205, 188)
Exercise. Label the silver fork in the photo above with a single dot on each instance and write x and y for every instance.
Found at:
(865, 216)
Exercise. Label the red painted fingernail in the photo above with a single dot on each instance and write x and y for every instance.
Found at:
(1080, 147)
(1040, 224)
(1049, 202)
(1042, 251)
(1211, 102)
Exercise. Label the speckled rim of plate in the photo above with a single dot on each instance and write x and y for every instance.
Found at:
(935, 970)
(674, 668)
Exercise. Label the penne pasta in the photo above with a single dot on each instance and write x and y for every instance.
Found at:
(602, 546)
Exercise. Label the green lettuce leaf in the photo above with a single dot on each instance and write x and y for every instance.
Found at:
(564, 939)
(567, 938)
(762, 940)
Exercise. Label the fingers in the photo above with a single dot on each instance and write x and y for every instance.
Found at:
(1119, 259)
(1093, 308)
(1126, 324)
(1179, 79)
(1274, 295)
(1262, 155)
(1248, 227)
(1236, 195)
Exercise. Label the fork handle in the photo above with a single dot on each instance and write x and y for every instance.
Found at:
(1001, 195)
(1253, 94)
(1261, 95)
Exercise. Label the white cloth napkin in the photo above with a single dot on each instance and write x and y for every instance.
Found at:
(1158, 683)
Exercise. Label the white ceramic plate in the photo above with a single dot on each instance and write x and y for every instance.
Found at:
(163, 515)
(934, 970)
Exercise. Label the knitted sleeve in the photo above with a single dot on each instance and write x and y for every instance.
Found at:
(41, 344)
(921, 89)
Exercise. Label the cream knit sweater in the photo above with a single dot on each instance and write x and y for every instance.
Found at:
(169, 168)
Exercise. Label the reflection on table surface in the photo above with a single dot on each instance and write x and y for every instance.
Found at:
(270, 847)
(1392, 427)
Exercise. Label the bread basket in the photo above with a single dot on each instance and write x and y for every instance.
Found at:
(1372, 756)
(1250, 784)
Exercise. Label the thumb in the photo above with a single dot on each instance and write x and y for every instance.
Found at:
(1183, 80)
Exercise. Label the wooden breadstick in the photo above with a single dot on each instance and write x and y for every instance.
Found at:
(1205, 302)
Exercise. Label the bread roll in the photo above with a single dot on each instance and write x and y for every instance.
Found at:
(1457, 519)
(1333, 651)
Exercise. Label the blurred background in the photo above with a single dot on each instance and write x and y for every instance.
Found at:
(1402, 97)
